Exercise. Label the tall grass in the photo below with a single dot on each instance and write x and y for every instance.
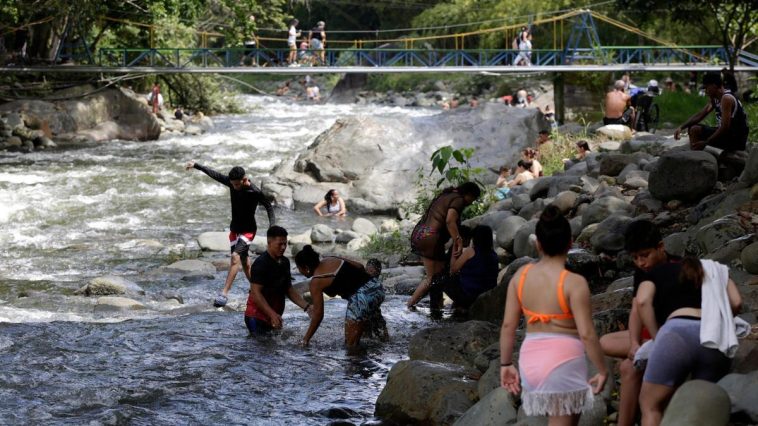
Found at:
(677, 107)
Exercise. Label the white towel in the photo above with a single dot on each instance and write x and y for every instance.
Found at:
(717, 324)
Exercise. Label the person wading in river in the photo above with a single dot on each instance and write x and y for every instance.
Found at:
(245, 198)
(270, 281)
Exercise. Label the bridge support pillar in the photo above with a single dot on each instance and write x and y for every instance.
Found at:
(558, 97)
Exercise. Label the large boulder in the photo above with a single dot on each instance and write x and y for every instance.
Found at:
(749, 176)
(458, 344)
(614, 164)
(495, 409)
(616, 131)
(321, 233)
(213, 241)
(506, 231)
(364, 226)
(609, 235)
(192, 266)
(115, 304)
(111, 113)
(490, 305)
(698, 403)
(603, 207)
(711, 237)
(421, 392)
(379, 156)
(683, 175)
(749, 257)
(523, 243)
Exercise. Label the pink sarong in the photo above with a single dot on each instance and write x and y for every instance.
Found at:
(553, 373)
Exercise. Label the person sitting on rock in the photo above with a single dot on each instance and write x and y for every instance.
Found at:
(270, 282)
(530, 155)
(618, 108)
(332, 204)
(552, 366)
(474, 271)
(435, 228)
(347, 279)
(523, 174)
(731, 131)
(543, 140)
(503, 190)
(671, 302)
(582, 149)
(644, 244)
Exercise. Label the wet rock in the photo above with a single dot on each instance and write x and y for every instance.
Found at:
(495, 409)
(458, 344)
(114, 303)
(364, 226)
(172, 295)
(426, 392)
(321, 233)
(609, 235)
(604, 207)
(749, 257)
(110, 285)
(345, 237)
(506, 231)
(683, 175)
(698, 403)
(192, 265)
(213, 241)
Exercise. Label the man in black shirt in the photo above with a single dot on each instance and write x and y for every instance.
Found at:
(245, 198)
(270, 281)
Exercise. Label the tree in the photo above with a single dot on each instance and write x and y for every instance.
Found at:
(734, 23)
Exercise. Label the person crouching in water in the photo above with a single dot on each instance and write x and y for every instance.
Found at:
(559, 327)
(347, 279)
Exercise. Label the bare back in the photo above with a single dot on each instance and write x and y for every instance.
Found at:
(540, 294)
(616, 103)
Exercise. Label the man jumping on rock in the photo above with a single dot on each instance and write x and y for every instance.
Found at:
(245, 198)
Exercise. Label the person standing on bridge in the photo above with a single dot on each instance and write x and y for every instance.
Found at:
(245, 198)
(318, 41)
(292, 36)
(525, 48)
(732, 130)
(155, 97)
(618, 108)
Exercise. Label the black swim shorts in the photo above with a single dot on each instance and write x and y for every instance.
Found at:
(729, 141)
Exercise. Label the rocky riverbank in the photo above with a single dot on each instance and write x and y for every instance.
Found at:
(87, 114)
(704, 210)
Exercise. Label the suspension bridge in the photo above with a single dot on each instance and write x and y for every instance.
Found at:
(582, 50)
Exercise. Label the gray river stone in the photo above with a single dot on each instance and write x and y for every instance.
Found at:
(110, 285)
(114, 303)
(698, 403)
(458, 344)
(321, 233)
(192, 266)
(364, 226)
(214, 241)
(495, 409)
(683, 175)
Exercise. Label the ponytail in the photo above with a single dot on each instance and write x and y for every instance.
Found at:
(692, 272)
(307, 257)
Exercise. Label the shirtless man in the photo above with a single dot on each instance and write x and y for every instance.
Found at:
(617, 103)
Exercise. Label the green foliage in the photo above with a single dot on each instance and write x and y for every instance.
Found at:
(677, 107)
(562, 146)
(386, 244)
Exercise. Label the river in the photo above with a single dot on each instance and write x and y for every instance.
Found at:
(127, 209)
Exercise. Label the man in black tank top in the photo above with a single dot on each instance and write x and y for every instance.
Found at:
(732, 130)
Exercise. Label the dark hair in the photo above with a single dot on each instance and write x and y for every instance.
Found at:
(544, 132)
(467, 188)
(640, 235)
(276, 231)
(692, 272)
(730, 82)
(504, 169)
(374, 263)
(529, 152)
(328, 196)
(236, 173)
(307, 257)
(712, 78)
(584, 145)
(465, 233)
(553, 231)
(482, 236)
(294, 22)
(525, 164)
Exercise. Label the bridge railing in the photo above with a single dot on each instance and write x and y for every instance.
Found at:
(235, 57)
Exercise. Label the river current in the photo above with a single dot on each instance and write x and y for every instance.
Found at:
(127, 209)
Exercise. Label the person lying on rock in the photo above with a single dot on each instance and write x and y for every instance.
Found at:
(245, 198)
(435, 228)
(556, 304)
(270, 282)
(643, 242)
(672, 302)
(336, 276)
(731, 131)
(332, 204)
(473, 272)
